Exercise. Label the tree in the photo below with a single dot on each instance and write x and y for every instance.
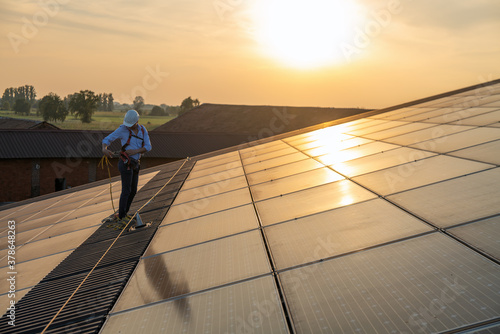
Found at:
(188, 104)
(5, 105)
(84, 104)
(26, 92)
(110, 102)
(21, 106)
(66, 102)
(157, 111)
(99, 102)
(138, 104)
(8, 97)
(104, 102)
(30, 94)
(52, 108)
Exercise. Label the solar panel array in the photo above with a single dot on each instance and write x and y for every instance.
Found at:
(48, 231)
(385, 224)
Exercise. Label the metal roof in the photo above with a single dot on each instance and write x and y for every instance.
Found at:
(252, 120)
(22, 144)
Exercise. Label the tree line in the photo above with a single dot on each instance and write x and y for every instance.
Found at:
(81, 104)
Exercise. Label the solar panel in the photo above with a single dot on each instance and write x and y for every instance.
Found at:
(369, 126)
(321, 198)
(220, 173)
(49, 246)
(486, 119)
(339, 231)
(425, 284)
(432, 133)
(226, 183)
(199, 172)
(283, 171)
(275, 162)
(376, 128)
(266, 147)
(455, 201)
(418, 173)
(294, 183)
(487, 152)
(208, 205)
(402, 113)
(396, 131)
(194, 269)
(483, 235)
(25, 223)
(460, 140)
(259, 150)
(380, 161)
(217, 160)
(31, 272)
(461, 116)
(356, 152)
(268, 155)
(204, 228)
(429, 114)
(325, 138)
(247, 307)
(329, 145)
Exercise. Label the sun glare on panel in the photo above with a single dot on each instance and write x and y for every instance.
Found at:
(305, 34)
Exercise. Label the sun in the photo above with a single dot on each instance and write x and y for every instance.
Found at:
(305, 33)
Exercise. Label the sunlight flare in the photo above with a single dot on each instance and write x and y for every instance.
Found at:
(305, 34)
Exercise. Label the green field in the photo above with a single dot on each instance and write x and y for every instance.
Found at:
(101, 120)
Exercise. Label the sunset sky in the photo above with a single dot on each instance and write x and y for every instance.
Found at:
(336, 53)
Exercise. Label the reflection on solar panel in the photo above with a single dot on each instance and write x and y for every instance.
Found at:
(388, 223)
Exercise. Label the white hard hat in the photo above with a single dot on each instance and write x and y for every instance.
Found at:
(131, 117)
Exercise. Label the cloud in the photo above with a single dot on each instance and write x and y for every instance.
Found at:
(451, 15)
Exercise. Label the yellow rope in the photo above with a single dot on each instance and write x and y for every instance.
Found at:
(114, 241)
(105, 159)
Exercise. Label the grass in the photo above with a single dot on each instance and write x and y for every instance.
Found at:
(101, 120)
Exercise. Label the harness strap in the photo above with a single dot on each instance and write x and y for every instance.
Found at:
(130, 135)
(124, 156)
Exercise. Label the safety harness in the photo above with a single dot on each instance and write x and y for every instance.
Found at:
(127, 160)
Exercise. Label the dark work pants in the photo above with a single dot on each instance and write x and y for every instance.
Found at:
(130, 178)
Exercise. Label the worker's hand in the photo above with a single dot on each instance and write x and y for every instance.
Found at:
(107, 152)
(132, 152)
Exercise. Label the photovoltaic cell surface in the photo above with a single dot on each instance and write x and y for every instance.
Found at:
(426, 284)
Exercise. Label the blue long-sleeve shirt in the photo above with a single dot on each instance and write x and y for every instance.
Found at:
(135, 143)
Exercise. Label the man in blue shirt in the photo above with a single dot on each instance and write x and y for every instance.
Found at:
(135, 141)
